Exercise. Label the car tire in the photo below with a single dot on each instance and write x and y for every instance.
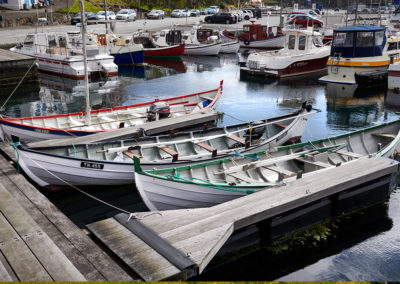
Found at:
(316, 26)
(246, 18)
(228, 22)
(209, 21)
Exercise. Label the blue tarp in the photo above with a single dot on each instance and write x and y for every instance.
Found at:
(358, 51)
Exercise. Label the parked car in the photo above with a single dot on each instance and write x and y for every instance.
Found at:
(194, 13)
(102, 15)
(186, 13)
(336, 10)
(227, 18)
(310, 13)
(177, 13)
(215, 8)
(303, 20)
(126, 15)
(239, 16)
(203, 12)
(93, 18)
(155, 14)
(247, 14)
(210, 11)
(77, 18)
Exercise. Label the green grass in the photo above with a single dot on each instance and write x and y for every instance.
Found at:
(75, 8)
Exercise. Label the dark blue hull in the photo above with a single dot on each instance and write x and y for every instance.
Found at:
(129, 58)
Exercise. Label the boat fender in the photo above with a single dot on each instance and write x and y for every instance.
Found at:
(246, 42)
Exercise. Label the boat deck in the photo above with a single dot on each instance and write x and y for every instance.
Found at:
(179, 244)
(39, 243)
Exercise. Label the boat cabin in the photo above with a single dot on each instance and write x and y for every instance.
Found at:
(358, 41)
(259, 32)
(302, 41)
(169, 37)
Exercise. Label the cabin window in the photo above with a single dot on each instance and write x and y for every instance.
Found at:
(343, 39)
(29, 40)
(379, 37)
(246, 29)
(62, 41)
(317, 41)
(365, 39)
(162, 34)
(302, 42)
(52, 40)
(185, 37)
(392, 46)
(292, 41)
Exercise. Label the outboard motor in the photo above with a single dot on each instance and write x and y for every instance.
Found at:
(256, 132)
(160, 108)
(306, 106)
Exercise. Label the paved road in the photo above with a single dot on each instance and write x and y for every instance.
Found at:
(16, 35)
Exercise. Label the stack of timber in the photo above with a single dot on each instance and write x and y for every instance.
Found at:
(179, 244)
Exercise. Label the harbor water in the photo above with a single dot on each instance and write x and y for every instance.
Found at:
(367, 252)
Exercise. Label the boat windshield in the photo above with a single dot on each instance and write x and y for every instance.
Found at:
(29, 40)
(317, 41)
(343, 39)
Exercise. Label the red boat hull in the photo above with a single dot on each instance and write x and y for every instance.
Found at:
(169, 51)
(295, 69)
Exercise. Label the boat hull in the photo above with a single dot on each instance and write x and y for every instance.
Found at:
(296, 68)
(206, 49)
(165, 52)
(394, 76)
(277, 42)
(230, 47)
(43, 167)
(129, 58)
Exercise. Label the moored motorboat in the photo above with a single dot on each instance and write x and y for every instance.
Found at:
(360, 48)
(230, 47)
(75, 124)
(154, 50)
(369, 79)
(110, 163)
(261, 37)
(211, 183)
(304, 54)
(60, 53)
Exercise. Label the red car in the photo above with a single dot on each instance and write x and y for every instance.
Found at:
(303, 20)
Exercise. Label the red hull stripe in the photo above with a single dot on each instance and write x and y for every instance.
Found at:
(165, 52)
(394, 73)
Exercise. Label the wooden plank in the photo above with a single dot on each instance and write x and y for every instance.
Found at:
(385, 135)
(278, 169)
(182, 227)
(171, 152)
(314, 163)
(237, 139)
(6, 272)
(350, 154)
(208, 148)
(92, 262)
(281, 125)
(151, 128)
(132, 155)
(54, 262)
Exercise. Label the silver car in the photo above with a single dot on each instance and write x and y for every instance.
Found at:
(126, 15)
(155, 14)
(177, 13)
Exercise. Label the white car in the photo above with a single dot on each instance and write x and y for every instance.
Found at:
(155, 14)
(247, 14)
(126, 15)
(215, 8)
(186, 13)
(110, 15)
(177, 13)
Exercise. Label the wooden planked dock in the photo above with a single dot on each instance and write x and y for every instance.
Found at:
(39, 243)
(190, 238)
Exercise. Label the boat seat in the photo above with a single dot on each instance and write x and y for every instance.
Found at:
(206, 98)
(170, 152)
(286, 173)
(131, 155)
(385, 135)
(208, 148)
(281, 125)
(349, 154)
(314, 163)
(243, 177)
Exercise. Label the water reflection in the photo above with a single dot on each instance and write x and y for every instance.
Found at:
(202, 63)
(392, 100)
(176, 65)
(352, 107)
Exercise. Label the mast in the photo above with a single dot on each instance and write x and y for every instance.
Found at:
(83, 33)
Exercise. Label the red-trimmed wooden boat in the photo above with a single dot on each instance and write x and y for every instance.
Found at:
(165, 51)
(75, 124)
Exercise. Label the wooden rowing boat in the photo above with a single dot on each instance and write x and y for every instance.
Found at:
(210, 183)
(110, 163)
(75, 124)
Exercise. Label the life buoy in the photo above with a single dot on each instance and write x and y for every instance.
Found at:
(246, 42)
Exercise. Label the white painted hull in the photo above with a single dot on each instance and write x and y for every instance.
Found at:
(206, 49)
(345, 75)
(230, 47)
(394, 76)
(271, 43)
(43, 168)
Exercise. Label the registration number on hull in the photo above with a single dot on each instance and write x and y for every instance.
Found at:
(92, 165)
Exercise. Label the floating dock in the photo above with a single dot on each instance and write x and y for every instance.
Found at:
(13, 67)
(39, 243)
(179, 244)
